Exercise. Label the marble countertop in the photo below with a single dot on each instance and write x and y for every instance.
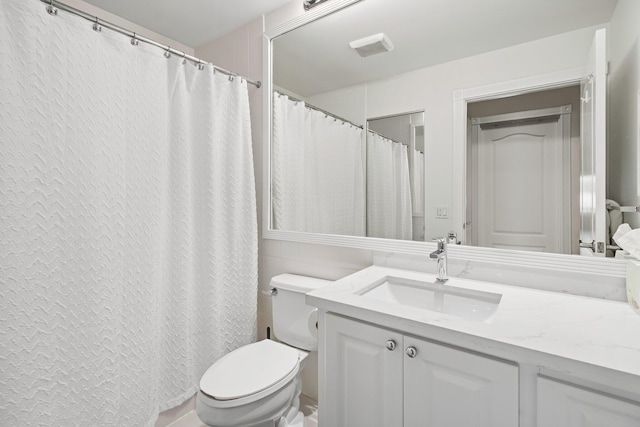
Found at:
(596, 332)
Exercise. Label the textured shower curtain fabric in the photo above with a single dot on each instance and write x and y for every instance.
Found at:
(128, 236)
(317, 171)
(389, 205)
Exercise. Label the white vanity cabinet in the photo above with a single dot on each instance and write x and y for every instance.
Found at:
(541, 359)
(377, 377)
(562, 404)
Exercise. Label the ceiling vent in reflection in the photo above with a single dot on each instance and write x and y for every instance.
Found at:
(372, 45)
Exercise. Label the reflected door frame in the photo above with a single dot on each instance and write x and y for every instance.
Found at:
(462, 97)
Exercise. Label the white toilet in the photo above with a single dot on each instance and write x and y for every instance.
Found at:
(259, 385)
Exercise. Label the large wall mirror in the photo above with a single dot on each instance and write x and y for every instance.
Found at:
(496, 111)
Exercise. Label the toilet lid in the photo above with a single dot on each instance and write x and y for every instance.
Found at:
(249, 370)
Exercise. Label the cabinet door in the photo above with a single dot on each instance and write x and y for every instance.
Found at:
(564, 405)
(363, 377)
(444, 386)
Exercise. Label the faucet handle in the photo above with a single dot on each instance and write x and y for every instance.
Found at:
(442, 243)
(452, 237)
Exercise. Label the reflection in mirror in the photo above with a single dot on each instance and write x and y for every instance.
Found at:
(318, 170)
(530, 142)
(395, 177)
(519, 47)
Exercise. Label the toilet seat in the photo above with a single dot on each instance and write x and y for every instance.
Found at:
(250, 373)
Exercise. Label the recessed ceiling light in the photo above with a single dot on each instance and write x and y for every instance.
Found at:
(372, 45)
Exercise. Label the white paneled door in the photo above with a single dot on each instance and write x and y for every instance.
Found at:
(522, 199)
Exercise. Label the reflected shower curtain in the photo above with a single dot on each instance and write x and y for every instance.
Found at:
(128, 235)
(389, 207)
(317, 171)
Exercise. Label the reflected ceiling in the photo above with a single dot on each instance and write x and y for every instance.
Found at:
(319, 64)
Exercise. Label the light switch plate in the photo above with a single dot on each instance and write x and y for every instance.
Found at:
(442, 211)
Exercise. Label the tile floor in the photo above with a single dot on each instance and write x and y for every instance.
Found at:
(308, 406)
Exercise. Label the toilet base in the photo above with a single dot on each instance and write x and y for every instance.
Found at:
(296, 421)
(293, 417)
(278, 410)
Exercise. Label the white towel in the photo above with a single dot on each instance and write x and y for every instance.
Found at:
(628, 239)
(614, 220)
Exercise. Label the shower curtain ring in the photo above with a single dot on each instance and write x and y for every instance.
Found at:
(230, 77)
(184, 58)
(96, 26)
(134, 40)
(51, 9)
(200, 65)
(167, 53)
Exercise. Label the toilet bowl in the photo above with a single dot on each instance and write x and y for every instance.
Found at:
(259, 384)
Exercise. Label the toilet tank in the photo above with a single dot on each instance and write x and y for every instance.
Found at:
(294, 322)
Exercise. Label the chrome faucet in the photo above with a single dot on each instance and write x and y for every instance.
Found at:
(440, 255)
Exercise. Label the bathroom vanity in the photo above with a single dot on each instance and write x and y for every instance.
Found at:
(399, 349)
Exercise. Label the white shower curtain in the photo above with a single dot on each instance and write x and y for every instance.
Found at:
(389, 206)
(317, 171)
(128, 236)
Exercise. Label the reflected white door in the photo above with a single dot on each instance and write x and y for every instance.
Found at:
(593, 227)
(522, 172)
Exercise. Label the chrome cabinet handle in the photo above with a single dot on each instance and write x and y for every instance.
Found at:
(391, 345)
(412, 352)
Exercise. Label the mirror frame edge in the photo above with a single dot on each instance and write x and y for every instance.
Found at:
(559, 262)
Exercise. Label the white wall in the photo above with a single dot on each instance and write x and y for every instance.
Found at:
(624, 97)
(349, 103)
(114, 19)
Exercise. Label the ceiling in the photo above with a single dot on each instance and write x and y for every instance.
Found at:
(190, 22)
(316, 58)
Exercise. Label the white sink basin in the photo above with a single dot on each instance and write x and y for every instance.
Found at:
(465, 303)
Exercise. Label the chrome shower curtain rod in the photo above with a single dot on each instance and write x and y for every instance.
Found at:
(98, 24)
(386, 137)
(313, 107)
